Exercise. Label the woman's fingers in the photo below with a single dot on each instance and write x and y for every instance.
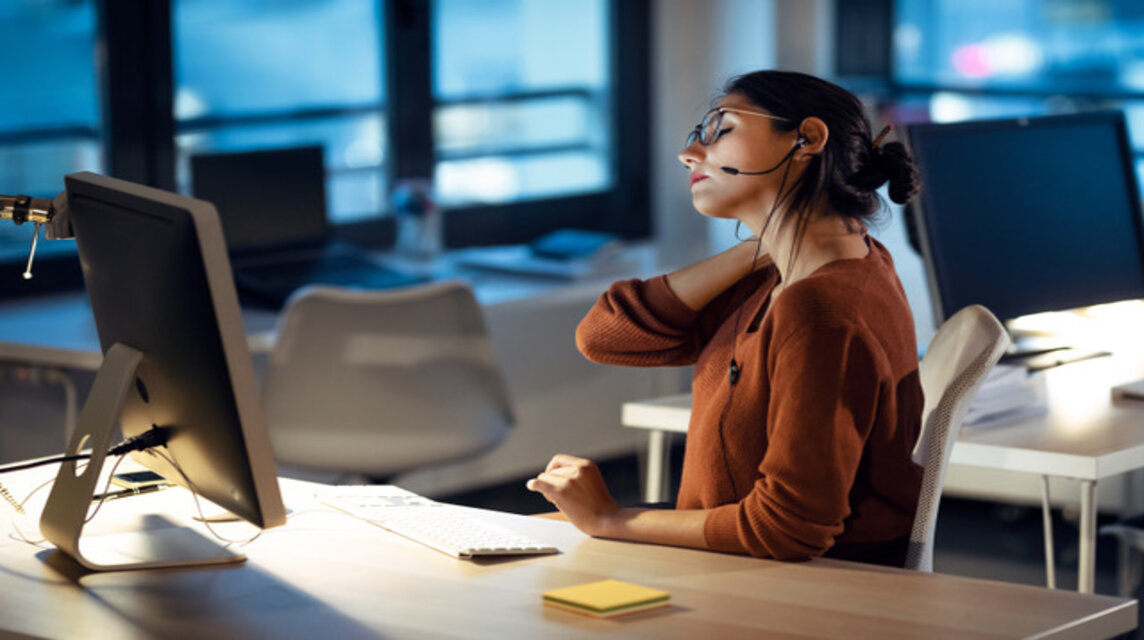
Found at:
(564, 460)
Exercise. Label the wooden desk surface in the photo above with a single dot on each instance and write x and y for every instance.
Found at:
(327, 575)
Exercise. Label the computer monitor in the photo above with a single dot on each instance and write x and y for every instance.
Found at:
(1029, 215)
(175, 356)
(267, 198)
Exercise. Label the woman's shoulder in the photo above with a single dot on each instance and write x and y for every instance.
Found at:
(847, 292)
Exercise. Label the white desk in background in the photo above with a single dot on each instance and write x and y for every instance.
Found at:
(327, 575)
(1084, 435)
(561, 401)
(57, 330)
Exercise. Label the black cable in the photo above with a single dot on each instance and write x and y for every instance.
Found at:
(153, 437)
(38, 463)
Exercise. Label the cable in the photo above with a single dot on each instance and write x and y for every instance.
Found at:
(103, 494)
(153, 437)
(149, 439)
(734, 370)
(199, 505)
(20, 466)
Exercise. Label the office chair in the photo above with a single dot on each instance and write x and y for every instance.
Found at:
(954, 366)
(375, 383)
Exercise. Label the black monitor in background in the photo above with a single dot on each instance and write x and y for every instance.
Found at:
(175, 357)
(266, 199)
(1029, 215)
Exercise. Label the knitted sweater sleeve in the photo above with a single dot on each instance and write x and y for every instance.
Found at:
(639, 323)
(823, 403)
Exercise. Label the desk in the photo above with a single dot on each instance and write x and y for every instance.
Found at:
(57, 330)
(1084, 435)
(326, 575)
(562, 402)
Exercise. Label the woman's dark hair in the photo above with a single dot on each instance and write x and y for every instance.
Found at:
(849, 170)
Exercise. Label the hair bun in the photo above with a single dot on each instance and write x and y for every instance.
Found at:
(900, 171)
(891, 163)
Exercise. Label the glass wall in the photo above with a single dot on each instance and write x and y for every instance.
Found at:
(262, 75)
(522, 92)
(971, 59)
(508, 105)
(49, 119)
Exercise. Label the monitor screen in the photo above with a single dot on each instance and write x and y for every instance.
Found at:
(159, 281)
(1030, 214)
(266, 198)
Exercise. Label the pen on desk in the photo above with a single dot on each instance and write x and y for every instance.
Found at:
(124, 493)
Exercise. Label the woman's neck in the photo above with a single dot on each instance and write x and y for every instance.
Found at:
(824, 240)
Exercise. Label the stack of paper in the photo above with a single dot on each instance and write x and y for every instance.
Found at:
(1009, 392)
(521, 259)
(606, 598)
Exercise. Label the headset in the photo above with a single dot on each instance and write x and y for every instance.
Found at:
(734, 368)
(800, 143)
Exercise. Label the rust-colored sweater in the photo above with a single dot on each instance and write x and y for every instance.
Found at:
(811, 447)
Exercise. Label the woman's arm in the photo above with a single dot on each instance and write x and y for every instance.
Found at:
(576, 487)
(664, 321)
(700, 283)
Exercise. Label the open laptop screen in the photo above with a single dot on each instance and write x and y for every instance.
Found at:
(265, 199)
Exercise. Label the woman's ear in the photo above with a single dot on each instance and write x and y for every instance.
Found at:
(815, 133)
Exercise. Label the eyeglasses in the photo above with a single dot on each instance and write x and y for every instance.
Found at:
(708, 129)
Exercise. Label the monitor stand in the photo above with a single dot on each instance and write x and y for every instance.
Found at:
(68, 504)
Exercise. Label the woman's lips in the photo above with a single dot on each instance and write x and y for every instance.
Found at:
(696, 177)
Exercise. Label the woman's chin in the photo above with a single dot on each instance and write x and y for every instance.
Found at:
(708, 211)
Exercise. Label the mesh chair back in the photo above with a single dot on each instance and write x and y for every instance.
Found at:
(381, 382)
(960, 356)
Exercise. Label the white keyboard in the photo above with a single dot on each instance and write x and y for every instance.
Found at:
(446, 528)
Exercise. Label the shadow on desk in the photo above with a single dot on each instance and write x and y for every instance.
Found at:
(237, 601)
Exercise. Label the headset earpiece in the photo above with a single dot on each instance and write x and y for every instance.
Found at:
(801, 142)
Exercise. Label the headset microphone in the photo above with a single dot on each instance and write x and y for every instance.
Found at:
(800, 143)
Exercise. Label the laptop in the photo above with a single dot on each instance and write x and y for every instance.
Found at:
(272, 205)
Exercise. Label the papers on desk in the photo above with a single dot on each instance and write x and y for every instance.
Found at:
(521, 259)
(1009, 392)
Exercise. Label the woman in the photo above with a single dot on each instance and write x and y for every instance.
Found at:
(806, 398)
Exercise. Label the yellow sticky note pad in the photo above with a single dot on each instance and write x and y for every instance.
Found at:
(607, 598)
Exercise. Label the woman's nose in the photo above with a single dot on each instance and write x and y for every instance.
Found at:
(691, 154)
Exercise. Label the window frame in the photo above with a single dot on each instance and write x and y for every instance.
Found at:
(138, 129)
(624, 209)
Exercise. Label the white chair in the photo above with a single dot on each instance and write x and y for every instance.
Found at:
(375, 383)
(954, 366)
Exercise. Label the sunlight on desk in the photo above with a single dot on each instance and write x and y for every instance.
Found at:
(325, 574)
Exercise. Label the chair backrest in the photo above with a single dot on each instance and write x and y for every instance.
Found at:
(954, 366)
(380, 382)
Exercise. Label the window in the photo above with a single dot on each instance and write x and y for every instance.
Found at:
(255, 75)
(49, 123)
(1059, 46)
(506, 104)
(521, 91)
(511, 106)
(974, 59)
